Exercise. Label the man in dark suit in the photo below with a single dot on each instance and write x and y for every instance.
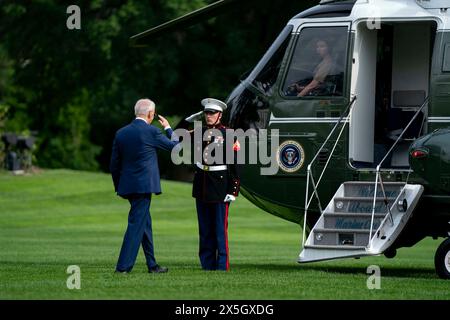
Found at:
(135, 173)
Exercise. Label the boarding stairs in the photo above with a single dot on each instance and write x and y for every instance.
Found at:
(362, 218)
(356, 223)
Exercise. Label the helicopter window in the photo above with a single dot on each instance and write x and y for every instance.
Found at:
(266, 72)
(446, 65)
(318, 63)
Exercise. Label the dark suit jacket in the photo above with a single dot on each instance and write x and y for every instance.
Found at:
(134, 162)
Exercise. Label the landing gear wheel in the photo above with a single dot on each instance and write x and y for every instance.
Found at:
(390, 253)
(442, 260)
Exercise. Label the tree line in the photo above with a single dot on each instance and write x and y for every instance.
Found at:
(74, 88)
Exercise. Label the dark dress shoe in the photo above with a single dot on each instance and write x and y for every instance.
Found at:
(158, 269)
(121, 272)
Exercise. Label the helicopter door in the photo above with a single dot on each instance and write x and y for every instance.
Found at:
(440, 83)
(363, 84)
(390, 84)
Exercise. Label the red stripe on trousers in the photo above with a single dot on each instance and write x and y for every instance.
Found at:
(226, 235)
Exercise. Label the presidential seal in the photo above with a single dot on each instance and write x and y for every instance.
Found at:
(290, 156)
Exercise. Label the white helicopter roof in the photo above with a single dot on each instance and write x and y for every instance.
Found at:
(438, 10)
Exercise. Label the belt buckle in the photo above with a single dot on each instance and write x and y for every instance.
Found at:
(206, 168)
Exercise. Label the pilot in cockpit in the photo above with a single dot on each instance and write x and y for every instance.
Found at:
(305, 87)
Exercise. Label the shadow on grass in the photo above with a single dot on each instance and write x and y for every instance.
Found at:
(398, 272)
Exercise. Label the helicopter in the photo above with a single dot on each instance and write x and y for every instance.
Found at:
(364, 153)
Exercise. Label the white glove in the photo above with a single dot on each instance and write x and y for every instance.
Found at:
(195, 116)
(229, 198)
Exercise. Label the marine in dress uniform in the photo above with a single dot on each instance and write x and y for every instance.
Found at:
(215, 186)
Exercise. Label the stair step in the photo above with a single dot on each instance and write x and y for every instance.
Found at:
(366, 183)
(354, 214)
(329, 230)
(360, 221)
(367, 189)
(334, 247)
(363, 198)
(337, 237)
(360, 204)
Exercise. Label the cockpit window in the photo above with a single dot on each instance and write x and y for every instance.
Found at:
(266, 71)
(318, 63)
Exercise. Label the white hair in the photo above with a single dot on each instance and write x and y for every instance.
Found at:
(143, 107)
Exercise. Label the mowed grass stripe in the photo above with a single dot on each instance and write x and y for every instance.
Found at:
(58, 218)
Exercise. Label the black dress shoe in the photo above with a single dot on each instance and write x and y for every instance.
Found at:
(121, 272)
(158, 269)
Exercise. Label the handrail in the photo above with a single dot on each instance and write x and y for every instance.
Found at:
(378, 173)
(309, 168)
(404, 130)
(386, 202)
(334, 128)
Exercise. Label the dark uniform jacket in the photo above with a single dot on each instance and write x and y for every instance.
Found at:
(213, 186)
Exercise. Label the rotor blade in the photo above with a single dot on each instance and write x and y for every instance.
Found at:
(189, 19)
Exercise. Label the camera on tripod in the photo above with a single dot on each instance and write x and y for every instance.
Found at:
(18, 151)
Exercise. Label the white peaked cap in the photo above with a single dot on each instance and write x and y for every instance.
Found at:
(214, 104)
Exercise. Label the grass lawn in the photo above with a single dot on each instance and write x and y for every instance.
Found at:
(58, 218)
